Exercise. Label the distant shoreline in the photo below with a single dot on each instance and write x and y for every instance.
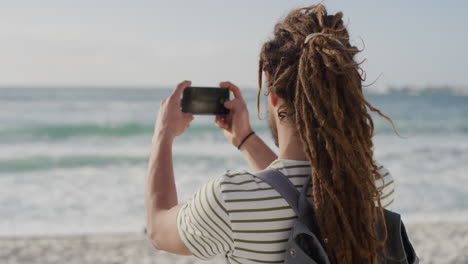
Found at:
(452, 90)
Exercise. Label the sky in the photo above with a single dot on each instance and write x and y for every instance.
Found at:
(139, 43)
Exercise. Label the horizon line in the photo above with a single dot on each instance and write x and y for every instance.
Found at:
(389, 87)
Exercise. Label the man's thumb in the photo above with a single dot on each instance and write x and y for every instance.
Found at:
(229, 104)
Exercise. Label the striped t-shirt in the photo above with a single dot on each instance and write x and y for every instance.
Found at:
(244, 219)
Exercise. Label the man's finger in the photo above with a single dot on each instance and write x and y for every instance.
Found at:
(222, 125)
(232, 104)
(180, 89)
(234, 89)
(220, 122)
(188, 116)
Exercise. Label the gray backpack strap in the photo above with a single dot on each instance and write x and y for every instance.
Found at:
(304, 205)
(281, 184)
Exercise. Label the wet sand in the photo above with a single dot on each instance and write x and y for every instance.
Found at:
(439, 243)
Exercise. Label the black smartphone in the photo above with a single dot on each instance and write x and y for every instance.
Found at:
(205, 100)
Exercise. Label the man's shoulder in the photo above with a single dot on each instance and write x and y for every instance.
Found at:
(236, 175)
(234, 172)
(287, 167)
(236, 182)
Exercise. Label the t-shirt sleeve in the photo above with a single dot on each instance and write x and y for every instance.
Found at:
(387, 187)
(203, 222)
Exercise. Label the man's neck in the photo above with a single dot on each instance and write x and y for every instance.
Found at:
(290, 146)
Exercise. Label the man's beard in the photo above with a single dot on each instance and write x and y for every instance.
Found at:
(273, 128)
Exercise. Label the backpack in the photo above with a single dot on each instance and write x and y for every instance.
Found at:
(304, 243)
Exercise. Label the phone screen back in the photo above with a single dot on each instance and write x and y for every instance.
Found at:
(205, 100)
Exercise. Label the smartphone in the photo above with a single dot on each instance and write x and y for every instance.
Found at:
(205, 100)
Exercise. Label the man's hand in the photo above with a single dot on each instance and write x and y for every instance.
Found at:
(171, 120)
(236, 124)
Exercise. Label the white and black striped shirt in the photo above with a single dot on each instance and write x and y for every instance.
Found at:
(244, 219)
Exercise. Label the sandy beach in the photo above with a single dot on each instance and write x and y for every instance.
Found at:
(439, 243)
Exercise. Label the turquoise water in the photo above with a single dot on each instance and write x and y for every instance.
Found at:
(74, 160)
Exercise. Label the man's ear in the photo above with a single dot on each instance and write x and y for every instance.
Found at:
(273, 99)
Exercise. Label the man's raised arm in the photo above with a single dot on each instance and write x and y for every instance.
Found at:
(160, 191)
(236, 126)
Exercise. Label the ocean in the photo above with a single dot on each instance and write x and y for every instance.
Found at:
(74, 161)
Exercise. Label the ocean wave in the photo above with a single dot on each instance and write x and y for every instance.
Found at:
(70, 161)
(436, 127)
(68, 131)
(58, 132)
(42, 162)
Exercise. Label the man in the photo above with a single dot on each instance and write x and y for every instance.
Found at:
(320, 123)
(161, 197)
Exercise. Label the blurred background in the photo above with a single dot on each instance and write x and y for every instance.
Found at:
(81, 83)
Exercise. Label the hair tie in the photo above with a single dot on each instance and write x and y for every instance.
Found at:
(313, 35)
(245, 138)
